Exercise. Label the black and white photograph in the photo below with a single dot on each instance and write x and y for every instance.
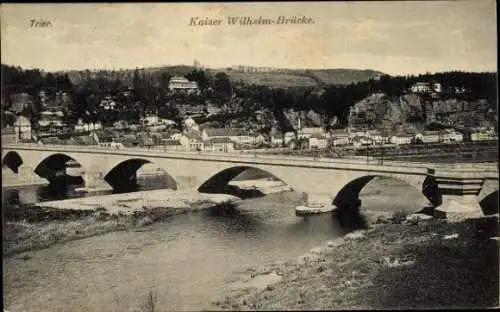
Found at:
(228, 156)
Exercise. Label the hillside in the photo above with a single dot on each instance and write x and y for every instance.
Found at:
(282, 78)
(125, 75)
(277, 80)
(342, 76)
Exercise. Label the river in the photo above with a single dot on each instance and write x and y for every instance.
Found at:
(188, 260)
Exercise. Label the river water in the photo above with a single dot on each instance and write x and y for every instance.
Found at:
(188, 260)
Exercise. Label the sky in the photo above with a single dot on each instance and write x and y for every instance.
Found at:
(407, 37)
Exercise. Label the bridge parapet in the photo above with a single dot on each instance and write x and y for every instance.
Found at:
(225, 157)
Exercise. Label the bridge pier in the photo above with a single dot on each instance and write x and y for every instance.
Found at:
(455, 207)
(93, 179)
(310, 199)
(186, 183)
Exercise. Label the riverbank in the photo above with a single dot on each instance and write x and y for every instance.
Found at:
(31, 227)
(397, 265)
(37, 226)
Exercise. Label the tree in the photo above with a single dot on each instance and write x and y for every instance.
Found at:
(223, 87)
(201, 78)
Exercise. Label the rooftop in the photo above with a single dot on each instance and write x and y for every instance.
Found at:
(225, 132)
(220, 140)
(171, 142)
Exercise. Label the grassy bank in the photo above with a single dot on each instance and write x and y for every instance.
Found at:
(426, 264)
(27, 227)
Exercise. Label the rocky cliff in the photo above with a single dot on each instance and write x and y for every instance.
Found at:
(412, 112)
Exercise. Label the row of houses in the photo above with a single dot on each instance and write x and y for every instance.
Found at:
(186, 141)
(342, 137)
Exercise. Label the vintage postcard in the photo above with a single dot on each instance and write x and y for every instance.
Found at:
(249, 156)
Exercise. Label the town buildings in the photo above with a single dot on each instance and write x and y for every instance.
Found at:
(308, 132)
(401, 138)
(22, 129)
(339, 137)
(55, 101)
(87, 126)
(20, 102)
(318, 141)
(236, 135)
(9, 135)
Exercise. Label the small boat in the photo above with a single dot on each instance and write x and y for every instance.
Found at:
(305, 211)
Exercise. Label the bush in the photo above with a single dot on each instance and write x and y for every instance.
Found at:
(399, 216)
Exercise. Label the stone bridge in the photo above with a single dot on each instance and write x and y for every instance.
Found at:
(326, 181)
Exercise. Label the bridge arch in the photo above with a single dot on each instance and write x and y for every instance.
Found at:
(122, 176)
(53, 168)
(13, 161)
(489, 204)
(219, 183)
(348, 197)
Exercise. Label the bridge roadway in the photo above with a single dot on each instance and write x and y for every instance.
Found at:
(323, 179)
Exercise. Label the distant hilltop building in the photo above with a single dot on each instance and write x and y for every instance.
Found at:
(425, 87)
(181, 83)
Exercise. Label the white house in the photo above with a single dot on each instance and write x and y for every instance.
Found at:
(190, 124)
(149, 119)
(277, 139)
(107, 103)
(181, 83)
(236, 135)
(437, 87)
(362, 141)
(90, 126)
(339, 137)
(318, 141)
(420, 87)
(22, 128)
(111, 145)
(429, 136)
(219, 145)
(307, 132)
(166, 122)
(449, 135)
(483, 133)
(191, 140)
(259, 139)
(401, 139)
(48, 118)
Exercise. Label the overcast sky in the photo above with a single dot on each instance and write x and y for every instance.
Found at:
(393, 37)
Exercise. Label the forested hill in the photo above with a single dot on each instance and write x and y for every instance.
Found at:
(283, 78)
(280, 78)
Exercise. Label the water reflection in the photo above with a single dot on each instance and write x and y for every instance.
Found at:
(349, 216)
(233, 220)
(74, 187)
